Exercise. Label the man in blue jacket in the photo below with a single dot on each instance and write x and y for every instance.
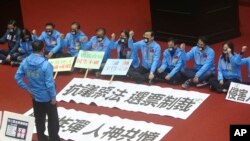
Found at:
(12, 37)
(41, 86)
(172, 63)
(52, 40)
(151, 52)
(99, 42)
(203, 56)
(74, 40)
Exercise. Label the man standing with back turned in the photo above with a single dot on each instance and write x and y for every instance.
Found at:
(41, 86)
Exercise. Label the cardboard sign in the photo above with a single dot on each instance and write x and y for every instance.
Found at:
(62, 64)
(89, 59)
(116, 67)
(133, 97)
(238, 93)
(16, 127)
(0, 118)
(82, 126)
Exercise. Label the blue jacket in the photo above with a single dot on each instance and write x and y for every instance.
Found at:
(131, 53)
(150, 54)
(53, 43)
(246, 61)
(13, 39)
(26, 47)
(39, 73)
(74, 43)
(175, 63)
(229, 70)
(95, 45)
(203, 61)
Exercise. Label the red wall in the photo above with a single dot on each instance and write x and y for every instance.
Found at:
(114, 15)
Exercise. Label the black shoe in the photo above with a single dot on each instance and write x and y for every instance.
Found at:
(186, 84)
(202, 84)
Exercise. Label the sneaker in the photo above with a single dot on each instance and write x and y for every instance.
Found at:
(224, 90)
(186, 84)
(1, 61)
(202, 84)
(98, 74)
(13, 64)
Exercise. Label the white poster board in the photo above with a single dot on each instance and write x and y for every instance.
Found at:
(82, 126)
(89, 59)
(16, 127)
(62, 64)
(239, 93)
(116, 67)
(0, 119)
(133, 97)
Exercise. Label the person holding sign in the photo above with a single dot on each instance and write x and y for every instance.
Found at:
(12, 37)
(228, 69)
(173, 61)
(52, 41)
(203, 70)
(100, 42)
(41, 86)
(74, 40)
(25, 48)
(123, 51)
(151, 52)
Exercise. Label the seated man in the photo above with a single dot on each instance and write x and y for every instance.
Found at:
(228, 69)
(151, 52)
(203, 56)
(99, 42)
(12, 37)
(52, 41)
(74, 40)
(172, 63)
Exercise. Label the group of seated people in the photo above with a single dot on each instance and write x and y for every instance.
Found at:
(172, 69)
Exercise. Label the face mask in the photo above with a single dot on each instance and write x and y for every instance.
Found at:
(201, 48)
(225, 51)
(49, 32)
(99, 38)
(170, 48)
(74, 32)
(122, 40)
(146, 40)
(11, 30)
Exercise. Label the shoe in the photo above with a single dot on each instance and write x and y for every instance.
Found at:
(13, 64)
(224, 90)
(98, 74)
(186, 84)
(202, 84)
(1, 61)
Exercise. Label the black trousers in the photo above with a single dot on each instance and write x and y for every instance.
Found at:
(176, 79)
(41, 109)
(215, 84)
(140, 74)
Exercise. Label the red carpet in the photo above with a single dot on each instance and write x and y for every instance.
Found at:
(209, 122)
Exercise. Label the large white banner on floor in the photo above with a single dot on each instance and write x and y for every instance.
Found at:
(81, 126)
(239, 93)
(133, 97)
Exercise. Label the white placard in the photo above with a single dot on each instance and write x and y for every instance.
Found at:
(79, 126)
(238, 93)
(116, 67)
(62, 64)
(89, 59)
(0, 118)
(133, 97)
(16, 127)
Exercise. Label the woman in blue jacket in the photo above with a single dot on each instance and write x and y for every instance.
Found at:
(228, 69)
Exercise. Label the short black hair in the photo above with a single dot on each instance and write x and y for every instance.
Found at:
(204, 39)
(171, 39)
(126, 32)
(25, 32)
(50, 24)
(151, 31)
(12, 22)
(77, 24)
(37, 45)
(101, 29)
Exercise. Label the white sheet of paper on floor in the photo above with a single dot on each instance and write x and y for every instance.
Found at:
(239, 93)
(79, 126)
(16, 127)
(133, 97)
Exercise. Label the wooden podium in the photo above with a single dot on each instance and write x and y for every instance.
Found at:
(188, 19)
